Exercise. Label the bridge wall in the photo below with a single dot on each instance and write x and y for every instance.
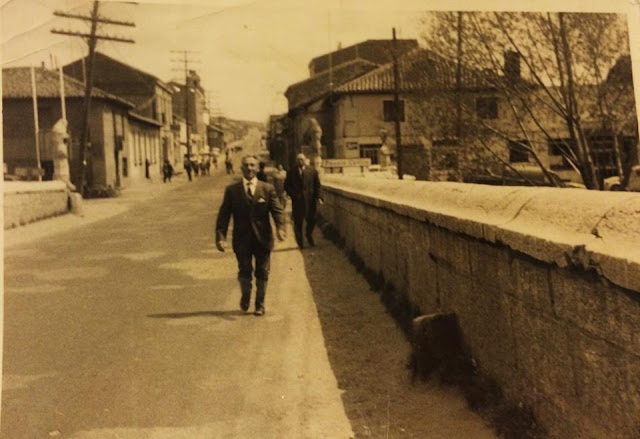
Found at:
(545, 283)
(25, 202)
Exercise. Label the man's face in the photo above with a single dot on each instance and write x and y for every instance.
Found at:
(249, 168)
(301, 161)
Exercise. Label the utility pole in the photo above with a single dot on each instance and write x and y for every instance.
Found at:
(36, 123)
(396, 103)
(92, 40)
(459, 81)
(187, 91)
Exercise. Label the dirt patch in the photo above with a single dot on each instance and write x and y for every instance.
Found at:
(364, 318)
(371, 356)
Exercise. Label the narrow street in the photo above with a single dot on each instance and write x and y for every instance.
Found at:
(130, 328)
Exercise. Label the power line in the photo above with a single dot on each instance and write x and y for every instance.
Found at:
(92, 40)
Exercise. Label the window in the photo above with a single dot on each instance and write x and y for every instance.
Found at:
(388, 108)
(446, 160)
(370, 152)
(557, 149)
(487, 107)
(517, 152)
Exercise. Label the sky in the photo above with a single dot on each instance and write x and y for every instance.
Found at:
(247, 52)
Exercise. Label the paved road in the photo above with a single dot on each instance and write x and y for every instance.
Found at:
(128, 328)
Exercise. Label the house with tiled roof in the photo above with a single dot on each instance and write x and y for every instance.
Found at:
(108, 126)
(364, 109)
(152, 99)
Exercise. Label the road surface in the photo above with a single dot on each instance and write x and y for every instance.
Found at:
(129, 328)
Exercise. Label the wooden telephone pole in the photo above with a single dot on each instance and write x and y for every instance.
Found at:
(92, 40)
(187, 91)
(396, 104)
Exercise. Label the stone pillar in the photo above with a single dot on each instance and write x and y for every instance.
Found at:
(61, 155)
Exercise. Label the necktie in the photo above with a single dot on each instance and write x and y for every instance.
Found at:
(249, 194)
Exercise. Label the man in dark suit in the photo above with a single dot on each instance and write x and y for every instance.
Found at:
(303, 186)
(250, 201)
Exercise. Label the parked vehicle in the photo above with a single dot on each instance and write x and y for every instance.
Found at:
(613, 183)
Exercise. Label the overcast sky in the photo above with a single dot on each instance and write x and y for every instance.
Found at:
(246, 52)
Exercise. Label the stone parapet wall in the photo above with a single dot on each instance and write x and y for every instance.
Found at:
(545, 283)
(25, 202)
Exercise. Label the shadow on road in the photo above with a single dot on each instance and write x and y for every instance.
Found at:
(228, 315)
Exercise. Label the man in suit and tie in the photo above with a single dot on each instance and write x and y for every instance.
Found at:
(250, 202)
(303, 186)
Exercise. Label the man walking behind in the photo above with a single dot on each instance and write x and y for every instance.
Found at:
(303, 186)
(250, 202)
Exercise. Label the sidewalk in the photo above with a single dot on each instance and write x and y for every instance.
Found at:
(93, 210)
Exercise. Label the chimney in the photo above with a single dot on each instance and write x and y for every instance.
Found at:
(512, 66)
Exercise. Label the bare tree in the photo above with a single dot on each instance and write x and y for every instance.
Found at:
(549, 73)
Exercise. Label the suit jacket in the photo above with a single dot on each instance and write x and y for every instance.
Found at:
(303, 189)
(250, 216)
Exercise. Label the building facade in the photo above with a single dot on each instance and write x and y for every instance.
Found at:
(108, 127)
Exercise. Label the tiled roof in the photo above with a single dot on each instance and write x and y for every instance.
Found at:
(419, 70)
(314, 88)
(16, 84)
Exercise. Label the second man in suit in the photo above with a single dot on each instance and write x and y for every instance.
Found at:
(250, 202)
(303, 186)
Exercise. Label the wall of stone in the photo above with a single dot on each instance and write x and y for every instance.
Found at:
(25, 202)
(545, 283)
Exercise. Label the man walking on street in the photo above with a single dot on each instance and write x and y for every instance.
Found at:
(303, 186)
(250, 202)
(187, 166)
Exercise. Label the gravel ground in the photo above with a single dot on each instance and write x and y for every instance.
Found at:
(369, 354)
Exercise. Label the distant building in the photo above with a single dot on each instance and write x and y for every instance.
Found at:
(108, 157)
(310, 100)
(192, 108)
(151, 96)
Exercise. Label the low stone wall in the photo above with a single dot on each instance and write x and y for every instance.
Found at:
(545, 283)
(25, 202)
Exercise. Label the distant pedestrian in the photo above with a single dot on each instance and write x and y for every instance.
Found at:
(196, 167)
(262, 176)
(207, 166)
(249, 202)
(278, 183)
(147, 164)
(187, 167)
(167, 171)
(303, 186)
(215, 162)
(228, 162)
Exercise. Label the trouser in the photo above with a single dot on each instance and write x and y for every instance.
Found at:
(246, 270)
(302, 218)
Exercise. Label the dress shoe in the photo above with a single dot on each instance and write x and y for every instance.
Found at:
(259, 312)
(310, 240)
(244, 305)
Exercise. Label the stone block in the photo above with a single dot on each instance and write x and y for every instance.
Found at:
(605, 311)
(532, 284)
(543, 354)
(388, 258)
(608, 382)
(490, 265)
(486, 324)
